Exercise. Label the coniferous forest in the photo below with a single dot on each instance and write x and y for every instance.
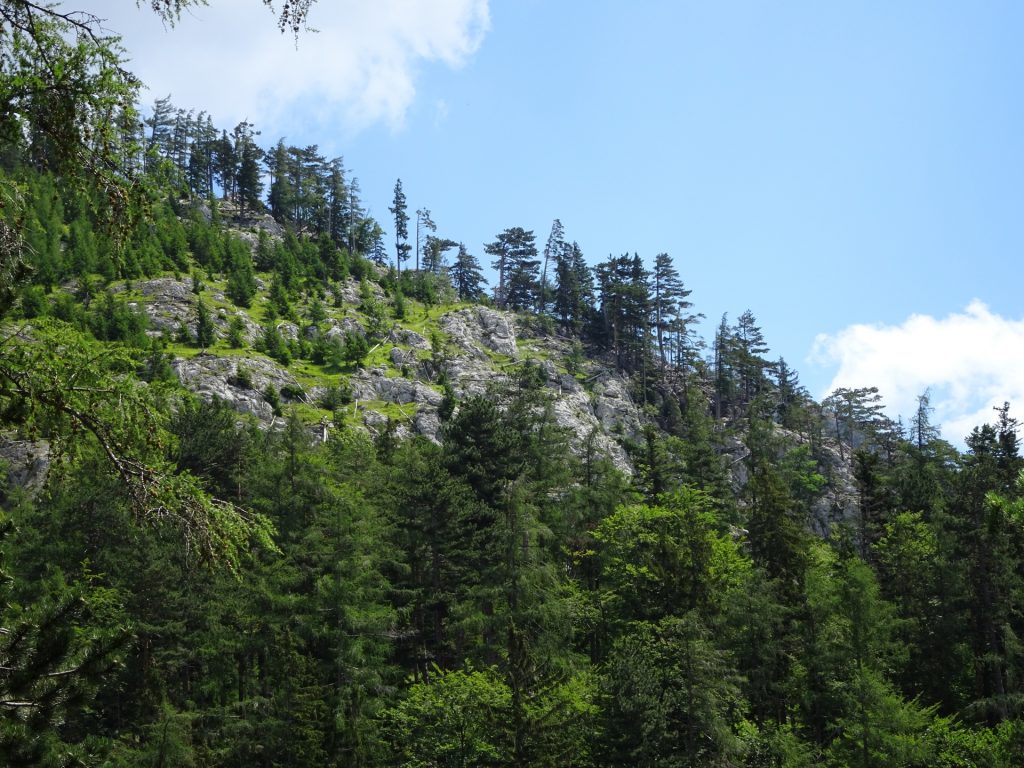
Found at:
(746, 578)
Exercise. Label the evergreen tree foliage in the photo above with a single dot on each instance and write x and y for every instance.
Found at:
(554, 252)
(466, 277)
(625, 310)
(398, 210)
(670, 309)
(515, 258)
(674, 699)
(249, 182)
(574, 293)
(241, 285)
(204, 325)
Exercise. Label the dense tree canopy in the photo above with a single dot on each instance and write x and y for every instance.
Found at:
(741, 577)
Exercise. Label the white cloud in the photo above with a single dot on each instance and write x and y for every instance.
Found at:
(970, 362)
(359, 68)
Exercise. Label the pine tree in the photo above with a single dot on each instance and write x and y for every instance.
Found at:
(574, 292)
(988, 551)
(51, 663)
(281, 196)
(200, 160)
(398, 210)
(248, 182)
(517, 264)
(554, 251)
(225, 165)
(674, 697)
(338, 204)
(625, 310)
(668, 296)
(426, 224)
(161, 126)
(466, 276)
(748, 352)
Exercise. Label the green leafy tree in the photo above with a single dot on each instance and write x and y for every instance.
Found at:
(916, 576)
(666, 559)
(355, 348)
(985, 520)
(850, 703)
(273, 344)
(517, 609)
(454, 718)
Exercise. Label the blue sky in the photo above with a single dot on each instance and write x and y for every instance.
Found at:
(851, 172)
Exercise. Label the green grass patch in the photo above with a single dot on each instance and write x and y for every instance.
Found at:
(393, 411)
(425, 320)
(309, 414)
(379, 356)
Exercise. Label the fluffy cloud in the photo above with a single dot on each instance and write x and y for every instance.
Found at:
(358, 68)
(969, 362)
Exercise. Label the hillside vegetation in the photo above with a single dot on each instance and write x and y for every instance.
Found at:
(279, 494)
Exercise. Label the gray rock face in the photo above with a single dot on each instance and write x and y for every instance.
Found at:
(288, 330)
(594, 417)
(169, 303)
(842, 502)
(27, 462)
(574, 411)
(376, 422)
(403, 358)
(344, 327)
(348, 292)
(211, 376)
(614, 408)
(478, 328)
(409, 338)
(428, 424)
(374, 385)
(248, 230)
(471, 376)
